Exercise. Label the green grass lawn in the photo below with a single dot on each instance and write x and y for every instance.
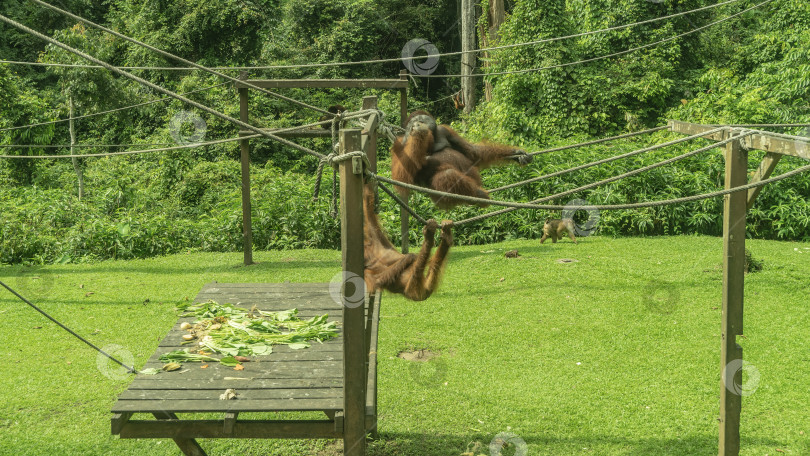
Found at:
(616, 353)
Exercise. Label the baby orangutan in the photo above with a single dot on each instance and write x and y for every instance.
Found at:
(555, 228)
(401, 273)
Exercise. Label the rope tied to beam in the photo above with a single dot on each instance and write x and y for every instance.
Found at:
(336, 122)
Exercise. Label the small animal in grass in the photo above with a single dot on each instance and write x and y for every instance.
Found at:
(554, 229)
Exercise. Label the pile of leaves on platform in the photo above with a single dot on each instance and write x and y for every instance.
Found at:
(238, 333)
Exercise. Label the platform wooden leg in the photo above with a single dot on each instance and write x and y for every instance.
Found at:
(189, 447)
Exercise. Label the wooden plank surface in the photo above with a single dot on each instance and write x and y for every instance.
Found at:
(237, 405)
(286, 380)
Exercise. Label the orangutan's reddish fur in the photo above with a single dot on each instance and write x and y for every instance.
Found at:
(453, 169)
(388, 269)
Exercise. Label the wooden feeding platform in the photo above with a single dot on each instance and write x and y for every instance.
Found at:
(303, 380)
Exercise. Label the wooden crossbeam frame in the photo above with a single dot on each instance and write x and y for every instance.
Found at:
(370, 129)
(734, 224)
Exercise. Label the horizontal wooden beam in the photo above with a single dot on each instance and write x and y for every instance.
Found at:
(760, 141)
(313, 133)
(690, 129)
(326, 83)
(215, 429)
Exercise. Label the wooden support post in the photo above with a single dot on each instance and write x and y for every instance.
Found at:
(733, 289)
(370, 144)
(764, 171)
(77, 164)
(247, 230)
(468, 58)
(496, 16)
(229, 421)
(403, 214)
(119, 420)
(189, 447)
(354, 349)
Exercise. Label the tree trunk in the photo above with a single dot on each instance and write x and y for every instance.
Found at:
(495, 17)
(468, 58)
(77, 166)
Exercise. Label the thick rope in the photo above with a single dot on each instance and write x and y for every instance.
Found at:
(598, 141)
(685, 199)
(511, 206)
(77, 146)
(333, 208)
(129, 369)
(159, 100)
(186, 146)
(606, 160)
(335, 122)
(146, 83)
(180, 59)
(593, 59)
(765, 125)
(402, 204)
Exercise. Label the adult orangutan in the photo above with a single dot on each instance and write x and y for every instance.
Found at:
(435, 156)
(391, 270)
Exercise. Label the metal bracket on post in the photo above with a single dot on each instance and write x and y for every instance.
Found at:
(357, 165)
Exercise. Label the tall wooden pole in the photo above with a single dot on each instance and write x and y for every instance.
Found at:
(733, 290)
(495, 18)
(403, 214)
(354, 334)
(77, 166)
(468, 58)
(244, 145)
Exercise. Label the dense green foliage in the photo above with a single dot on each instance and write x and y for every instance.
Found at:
(753, 68)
